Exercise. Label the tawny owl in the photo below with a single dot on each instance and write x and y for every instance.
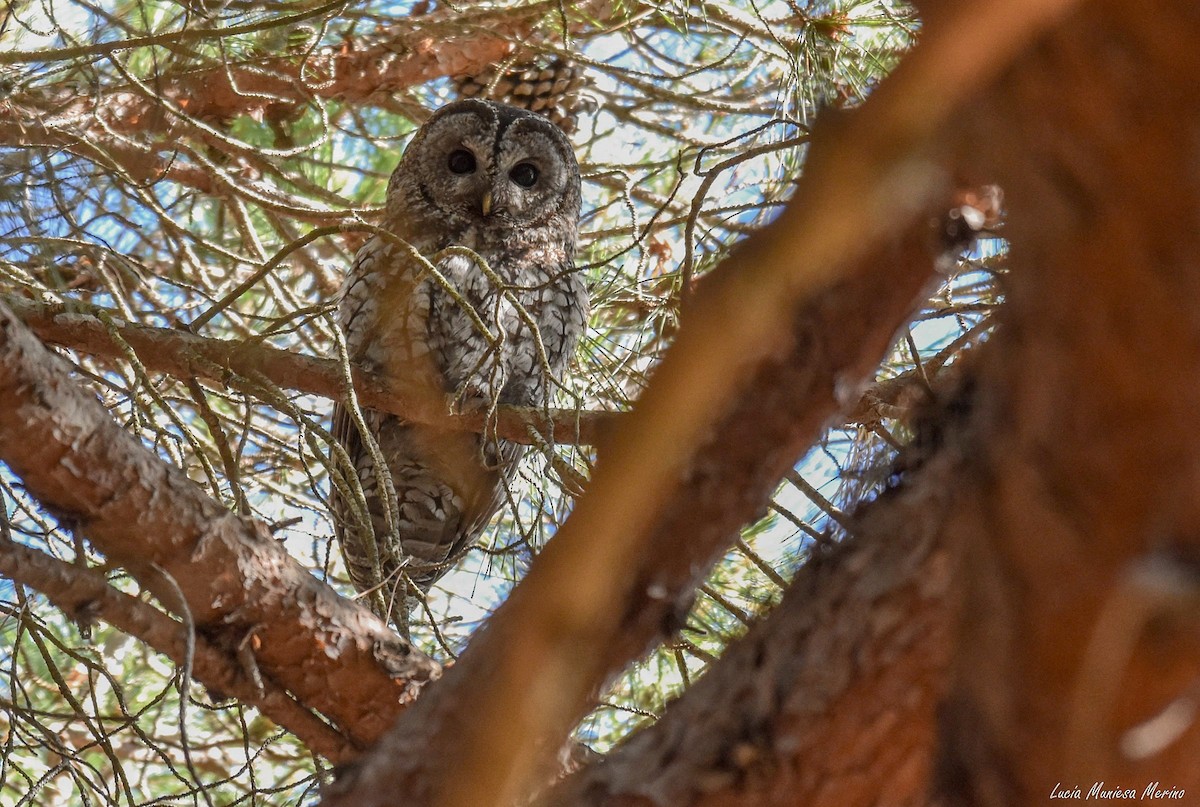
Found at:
(475, 302)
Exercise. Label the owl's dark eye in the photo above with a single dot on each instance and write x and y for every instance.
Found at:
(524, 174)
(461, 162)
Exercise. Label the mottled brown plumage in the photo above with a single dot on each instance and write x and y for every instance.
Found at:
(504, 184)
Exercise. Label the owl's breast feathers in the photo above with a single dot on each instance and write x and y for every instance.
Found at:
(385, 312)
(462, 323)
(464, 338)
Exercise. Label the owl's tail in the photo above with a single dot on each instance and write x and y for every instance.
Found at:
(446, 484)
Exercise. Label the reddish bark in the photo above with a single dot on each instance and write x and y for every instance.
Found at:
(1068, 507)
(141, 131)
(829, 701)
(372, 69)
(235, 579)
(1082, 524)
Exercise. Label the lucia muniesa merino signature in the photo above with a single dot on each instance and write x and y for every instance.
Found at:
(1102, 790)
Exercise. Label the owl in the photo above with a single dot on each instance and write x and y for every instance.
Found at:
(474, 303)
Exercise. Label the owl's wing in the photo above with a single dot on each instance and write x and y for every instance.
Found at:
(356, 319)
(444, 490)
(562, 318)
(354, 518)
(380, 285)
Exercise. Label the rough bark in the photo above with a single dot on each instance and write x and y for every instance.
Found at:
(831, 701)
(370, 70)
(1076, 661)
(224, 574)
(1073, 525)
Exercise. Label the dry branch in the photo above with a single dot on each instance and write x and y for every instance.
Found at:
(152, 128)
(85, 595)
(235, 579)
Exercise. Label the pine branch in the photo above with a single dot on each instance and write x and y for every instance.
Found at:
(233, 363)
(235, 579)
(85, 594)
(372, 70)
(183, 355)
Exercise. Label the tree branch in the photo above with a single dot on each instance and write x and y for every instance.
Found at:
(392, 60)
(844, 676)
(235, 579)
(1068, 513)
(1077, 657)
(44, 55)
(149, 162)
(85, 594)
(228, 362)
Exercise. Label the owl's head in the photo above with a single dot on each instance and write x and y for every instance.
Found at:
(492, 168)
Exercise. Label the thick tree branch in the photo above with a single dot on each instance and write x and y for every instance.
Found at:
(840, 335)
(227, 362)
(85, 594)
(1079, 649)
(235, 579)
(830, 701)
(769, 345)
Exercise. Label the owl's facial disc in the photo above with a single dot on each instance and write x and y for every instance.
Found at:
(506, 171)
(453, 161)
(530, 176)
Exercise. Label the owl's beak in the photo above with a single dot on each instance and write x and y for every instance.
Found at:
(487, 204)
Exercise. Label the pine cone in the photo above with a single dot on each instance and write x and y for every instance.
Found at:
(551, 90)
